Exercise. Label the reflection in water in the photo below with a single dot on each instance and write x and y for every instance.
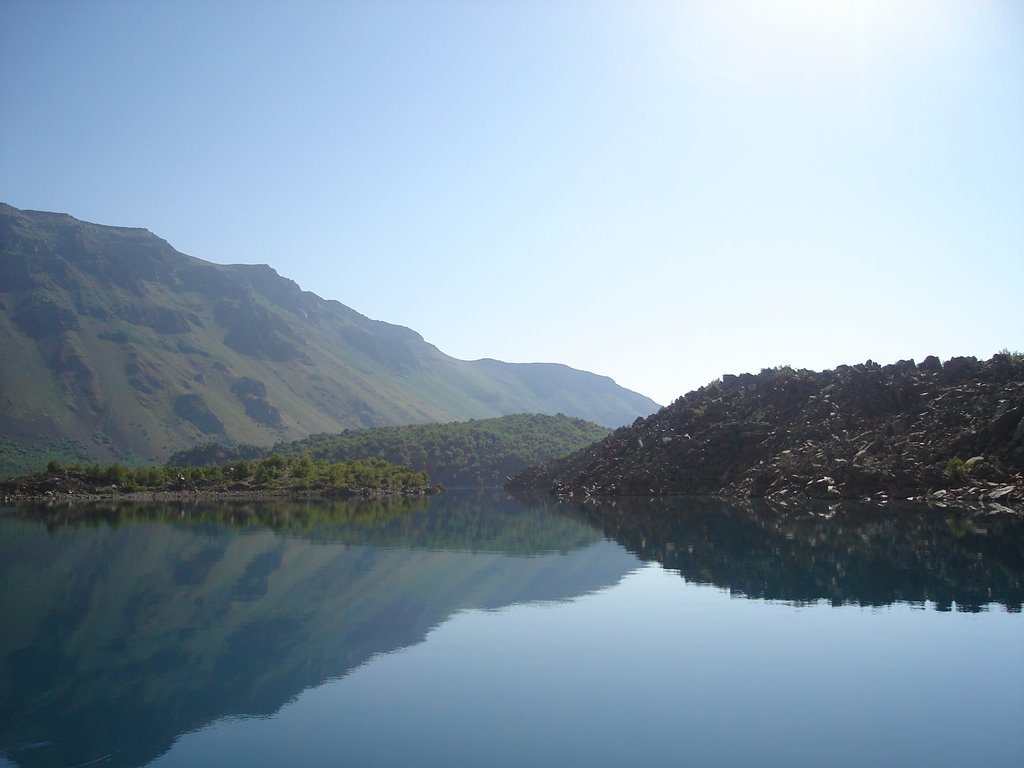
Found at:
(467, 520)
(842, 553)
(129, 626)
(125, 627)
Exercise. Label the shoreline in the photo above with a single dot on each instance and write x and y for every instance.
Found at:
(65, 498)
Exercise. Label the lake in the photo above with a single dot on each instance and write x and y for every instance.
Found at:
(471, 629)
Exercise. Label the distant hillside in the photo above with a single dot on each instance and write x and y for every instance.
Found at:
(478, 453)
(115, 346)
(946, 432)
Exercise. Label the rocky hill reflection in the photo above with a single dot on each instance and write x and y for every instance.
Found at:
(841, 553)
(125, 627)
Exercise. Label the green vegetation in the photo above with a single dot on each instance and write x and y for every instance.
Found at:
(957, 469)
(1016, 356)
(18, 458)
(459, 454)
(274, 473)
(784, 371)
(476, 453)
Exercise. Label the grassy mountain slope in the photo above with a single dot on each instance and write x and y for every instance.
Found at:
(116, 346)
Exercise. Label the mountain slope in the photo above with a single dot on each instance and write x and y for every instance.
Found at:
(116, 345)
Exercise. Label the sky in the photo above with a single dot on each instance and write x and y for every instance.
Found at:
(659, 192)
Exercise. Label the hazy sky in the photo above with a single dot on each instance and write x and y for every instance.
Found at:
(660, 192)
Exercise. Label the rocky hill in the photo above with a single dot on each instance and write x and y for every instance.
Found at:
(115, 346)
(943, 432)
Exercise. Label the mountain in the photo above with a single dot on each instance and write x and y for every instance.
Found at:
(945, 432)
(115, 346)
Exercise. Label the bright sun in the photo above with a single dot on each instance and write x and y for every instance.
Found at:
(751, 40)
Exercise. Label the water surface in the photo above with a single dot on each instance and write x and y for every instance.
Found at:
(472, 629)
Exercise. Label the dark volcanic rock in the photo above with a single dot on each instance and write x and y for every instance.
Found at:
(952, 432)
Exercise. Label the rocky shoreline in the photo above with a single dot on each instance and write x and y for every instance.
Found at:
(944, 433)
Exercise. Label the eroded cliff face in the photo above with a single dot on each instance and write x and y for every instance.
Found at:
(942, 432)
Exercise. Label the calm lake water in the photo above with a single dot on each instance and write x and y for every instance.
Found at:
(474, 630)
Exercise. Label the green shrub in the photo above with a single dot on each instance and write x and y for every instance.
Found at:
(1015, 356)
(269, 468)
(302, 467)
(239, 470)
(957, 469)
(779, 371)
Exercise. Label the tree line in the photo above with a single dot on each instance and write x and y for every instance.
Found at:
(297, 472)
(475, 453)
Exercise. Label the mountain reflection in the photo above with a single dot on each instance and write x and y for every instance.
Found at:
(844, 553)
(124, 627)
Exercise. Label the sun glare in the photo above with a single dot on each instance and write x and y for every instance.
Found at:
(751, 40)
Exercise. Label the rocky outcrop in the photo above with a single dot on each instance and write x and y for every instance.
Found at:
(193, 408)
(252, 393)
(945, 433)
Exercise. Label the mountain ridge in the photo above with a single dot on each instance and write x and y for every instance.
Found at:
(116, 346)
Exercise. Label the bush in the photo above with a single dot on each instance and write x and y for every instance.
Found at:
(114, 474)
(239, 470)
(269, 468)
(1015, 356)
(957, 469)
(302, 466)
(779, 371)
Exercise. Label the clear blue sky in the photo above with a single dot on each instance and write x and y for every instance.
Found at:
(660, 192)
